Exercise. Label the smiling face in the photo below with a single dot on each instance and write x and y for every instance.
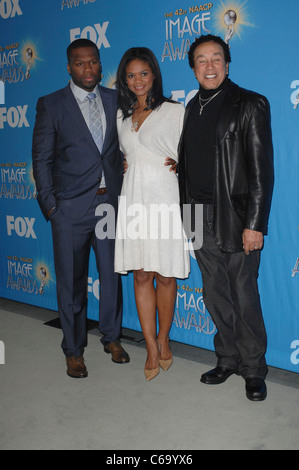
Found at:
(209, 65)
(85, 67)
(139, 77)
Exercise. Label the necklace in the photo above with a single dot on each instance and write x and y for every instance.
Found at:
(135, 123)
(207, 101)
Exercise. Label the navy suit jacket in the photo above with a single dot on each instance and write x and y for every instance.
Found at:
(67, 165)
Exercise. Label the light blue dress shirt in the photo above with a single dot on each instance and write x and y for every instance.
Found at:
(83, 103)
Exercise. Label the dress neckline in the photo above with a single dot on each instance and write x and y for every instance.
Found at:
(132, 124)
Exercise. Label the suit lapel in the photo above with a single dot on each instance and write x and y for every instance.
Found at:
(108, 108)
(228, 109)
(73, 109)
(71, 105)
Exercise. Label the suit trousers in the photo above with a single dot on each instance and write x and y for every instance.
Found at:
(72, 242)
(231, 295)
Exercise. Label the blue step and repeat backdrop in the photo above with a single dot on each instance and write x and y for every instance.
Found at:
(264, 38)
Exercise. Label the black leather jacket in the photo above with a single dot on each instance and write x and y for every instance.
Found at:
(244, 172)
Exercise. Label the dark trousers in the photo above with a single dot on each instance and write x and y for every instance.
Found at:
(72, 242)
(231, 295)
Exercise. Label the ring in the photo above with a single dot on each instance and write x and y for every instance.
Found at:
(256, 247)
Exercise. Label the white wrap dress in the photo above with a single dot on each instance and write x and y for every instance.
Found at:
(149, 231)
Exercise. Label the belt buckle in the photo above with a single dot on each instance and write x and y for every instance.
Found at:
(102, 191)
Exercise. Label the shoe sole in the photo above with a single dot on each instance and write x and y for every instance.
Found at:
(77, 376)
(256, 399)
(217, 382)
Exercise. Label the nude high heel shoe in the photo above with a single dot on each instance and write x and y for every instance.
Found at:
(165, 364)
(151, 373)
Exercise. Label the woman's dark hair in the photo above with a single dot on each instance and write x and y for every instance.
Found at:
(208, 38)
(125, 97)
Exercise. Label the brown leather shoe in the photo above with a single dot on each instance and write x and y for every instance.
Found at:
(117, 352)
(76, 367)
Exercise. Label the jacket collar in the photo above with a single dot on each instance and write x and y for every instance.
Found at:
(228, 109)
(73, 109)
(71, 106)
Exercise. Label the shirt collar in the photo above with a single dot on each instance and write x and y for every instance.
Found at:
(81, 94)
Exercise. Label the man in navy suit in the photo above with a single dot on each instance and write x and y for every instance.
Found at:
(78, 180)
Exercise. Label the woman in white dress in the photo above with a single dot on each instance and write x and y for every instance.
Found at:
(149, 236)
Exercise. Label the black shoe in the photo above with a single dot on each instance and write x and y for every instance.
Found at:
(256, 389)
(217, 375)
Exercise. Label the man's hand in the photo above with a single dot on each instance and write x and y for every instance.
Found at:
(252, 240)
(50, 211)
(172, 163)
(125, 165)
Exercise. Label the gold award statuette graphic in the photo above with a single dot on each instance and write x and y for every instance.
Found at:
(43, 276)
(17, 62)
(230, 18)
(29, 57)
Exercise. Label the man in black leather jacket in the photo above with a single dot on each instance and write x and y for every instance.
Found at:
(226, 164)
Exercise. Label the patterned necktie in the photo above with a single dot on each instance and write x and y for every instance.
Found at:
(95, 122)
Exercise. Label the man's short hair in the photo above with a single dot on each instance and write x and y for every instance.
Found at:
(208, 38)
(81, 43)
